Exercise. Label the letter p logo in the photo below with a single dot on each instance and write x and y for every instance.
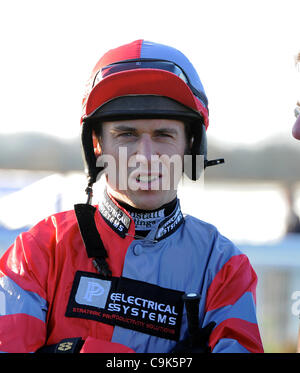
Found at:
(92, 291)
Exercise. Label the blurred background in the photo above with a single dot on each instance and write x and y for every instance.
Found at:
(245, 54)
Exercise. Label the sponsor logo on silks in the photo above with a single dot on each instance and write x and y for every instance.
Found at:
(146, 220)
(114, 216)
(92, 292)
(132, 304)
(170, 224)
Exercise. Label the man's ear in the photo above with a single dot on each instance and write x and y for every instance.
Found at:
(97, 146)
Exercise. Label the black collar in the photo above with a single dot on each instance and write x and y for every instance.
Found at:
(156, 224)
(114, 216)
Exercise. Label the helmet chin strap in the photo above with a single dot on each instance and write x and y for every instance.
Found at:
(89, 192)
(90, 159)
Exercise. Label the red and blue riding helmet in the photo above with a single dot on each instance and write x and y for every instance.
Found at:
(143, 79)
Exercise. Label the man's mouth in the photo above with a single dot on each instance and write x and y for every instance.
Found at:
(138, 180)
(147, 178)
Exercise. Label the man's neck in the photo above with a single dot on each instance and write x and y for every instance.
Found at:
(144, 220)
(165, 209)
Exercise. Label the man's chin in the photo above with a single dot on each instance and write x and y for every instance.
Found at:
(146, 199)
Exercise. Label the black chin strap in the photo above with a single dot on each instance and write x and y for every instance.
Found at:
(89, 192)
(85, 215)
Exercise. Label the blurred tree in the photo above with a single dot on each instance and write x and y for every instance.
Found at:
(35, 151)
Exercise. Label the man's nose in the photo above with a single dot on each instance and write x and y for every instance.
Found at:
(146, 146)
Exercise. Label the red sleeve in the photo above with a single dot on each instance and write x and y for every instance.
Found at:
(231, 303)
(23, 294)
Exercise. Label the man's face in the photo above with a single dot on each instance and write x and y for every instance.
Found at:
(142, 149)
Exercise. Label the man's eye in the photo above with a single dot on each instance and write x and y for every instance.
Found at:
(164, 135)
(126, 134)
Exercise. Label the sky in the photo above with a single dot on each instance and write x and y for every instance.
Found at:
(243, 51)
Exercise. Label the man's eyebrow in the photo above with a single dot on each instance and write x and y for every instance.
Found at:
(122, 127)
(125, 128)
(167, 130)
